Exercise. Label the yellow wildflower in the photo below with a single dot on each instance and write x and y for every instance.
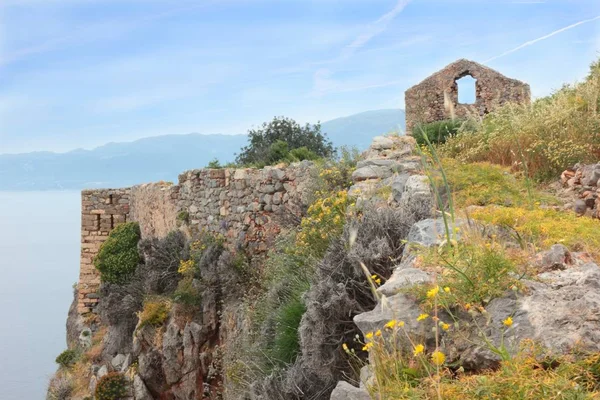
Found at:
(447, 289)
(418, 349)
(378, 333)
(433, 292)
(400, 324)
(438, 358)
(367, 346)
(445, 326)
(508, 322)
(369, 335)
(391, 324)
(422, 317)
(345, 347)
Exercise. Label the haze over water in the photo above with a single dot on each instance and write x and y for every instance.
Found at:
(39, 262)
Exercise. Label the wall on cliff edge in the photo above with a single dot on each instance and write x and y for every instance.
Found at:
(247, 206)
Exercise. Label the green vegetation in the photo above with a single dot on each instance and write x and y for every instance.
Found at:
(118, 256)
(482, 183)
(68, 358)
(283, 139)
(438, 132)
(214, 164)
(155, 312)
(112, 386)
(183, 216)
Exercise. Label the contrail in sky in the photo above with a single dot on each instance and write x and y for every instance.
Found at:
(534, 41)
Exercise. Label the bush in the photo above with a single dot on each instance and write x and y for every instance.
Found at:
(324, 221)
(118, 256)
(155, 312)
(67, 358)
(275, 140)
(437, 132)
(112, 386)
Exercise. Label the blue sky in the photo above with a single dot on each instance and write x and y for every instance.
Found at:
(80, 73)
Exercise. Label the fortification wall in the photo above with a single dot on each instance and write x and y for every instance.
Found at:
(101, 211)
(249, 207)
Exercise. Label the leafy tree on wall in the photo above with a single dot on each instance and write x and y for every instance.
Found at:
(283, 139)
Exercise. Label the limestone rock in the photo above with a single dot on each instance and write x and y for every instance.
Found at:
(382, 143)
(140, 390)
(403, 278)
(102, 371)
(345, 391)
(371, 172)
(431, 232)
(118, 361)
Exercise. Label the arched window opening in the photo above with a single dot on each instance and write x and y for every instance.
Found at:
(466, 90)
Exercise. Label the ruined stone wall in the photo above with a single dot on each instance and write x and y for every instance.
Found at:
(249, 207)
(155, 207)
(101, 211)
(436, 97)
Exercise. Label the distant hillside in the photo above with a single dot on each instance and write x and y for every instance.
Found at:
(162, 157)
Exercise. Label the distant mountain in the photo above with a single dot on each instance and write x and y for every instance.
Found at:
(162, 157)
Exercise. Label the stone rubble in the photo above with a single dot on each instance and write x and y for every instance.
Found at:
(581, 186)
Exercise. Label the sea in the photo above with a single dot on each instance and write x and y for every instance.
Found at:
(39, 263)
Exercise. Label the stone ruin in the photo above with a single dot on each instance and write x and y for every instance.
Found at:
(436, 98)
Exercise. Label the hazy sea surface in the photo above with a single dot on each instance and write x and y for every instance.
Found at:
(39, 262)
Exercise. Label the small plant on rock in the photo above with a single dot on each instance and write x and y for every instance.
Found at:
(112, 386)
(67, 358)
(155, 312)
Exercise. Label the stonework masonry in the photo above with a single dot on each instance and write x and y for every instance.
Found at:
(101, 211)
(434, 98)
(248, 207)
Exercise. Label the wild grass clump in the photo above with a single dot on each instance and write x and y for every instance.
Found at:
(541, 139)
(60, 388)
(118, 256)
(438, 132)
(155, 312)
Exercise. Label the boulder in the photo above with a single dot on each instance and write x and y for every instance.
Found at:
(118, 361)
(345, 391)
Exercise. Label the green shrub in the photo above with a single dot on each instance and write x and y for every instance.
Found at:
(118, 256)
(187, 293)
(112, 386)
(67, 358)
(437, 132)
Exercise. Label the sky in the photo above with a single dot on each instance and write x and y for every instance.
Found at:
(81, 73)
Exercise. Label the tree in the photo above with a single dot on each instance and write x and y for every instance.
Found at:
(275, 140)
